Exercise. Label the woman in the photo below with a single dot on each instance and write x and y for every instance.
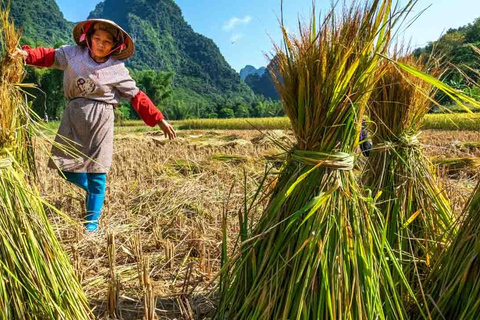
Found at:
(95, 78)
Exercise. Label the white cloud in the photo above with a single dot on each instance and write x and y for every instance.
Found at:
(234, 38)
(230, 24)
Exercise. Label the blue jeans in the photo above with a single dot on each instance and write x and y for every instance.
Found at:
(94, 185)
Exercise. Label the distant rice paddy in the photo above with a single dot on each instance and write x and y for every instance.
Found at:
(444, 121)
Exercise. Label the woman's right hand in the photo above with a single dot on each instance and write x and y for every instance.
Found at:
(19, 52)
(167, 129)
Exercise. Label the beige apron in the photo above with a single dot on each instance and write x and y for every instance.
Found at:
(86, 130)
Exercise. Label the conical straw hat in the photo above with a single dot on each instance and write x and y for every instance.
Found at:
(122, 38)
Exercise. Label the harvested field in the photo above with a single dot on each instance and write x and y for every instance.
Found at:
(165, 201)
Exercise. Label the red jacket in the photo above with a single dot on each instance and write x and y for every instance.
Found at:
(44, 57)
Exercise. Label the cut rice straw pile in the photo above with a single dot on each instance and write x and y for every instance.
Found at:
(37, 280)
(456, 166)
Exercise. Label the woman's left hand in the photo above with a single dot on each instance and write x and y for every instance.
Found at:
(19, 53)
(167, 129)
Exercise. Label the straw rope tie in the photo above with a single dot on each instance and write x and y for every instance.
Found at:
(405, 141)
(337, 160)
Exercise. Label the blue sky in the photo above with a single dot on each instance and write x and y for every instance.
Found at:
(242, 29)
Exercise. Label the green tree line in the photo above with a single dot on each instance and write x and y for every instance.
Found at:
(454, 50)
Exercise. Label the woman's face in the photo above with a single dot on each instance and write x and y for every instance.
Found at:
(102, 43)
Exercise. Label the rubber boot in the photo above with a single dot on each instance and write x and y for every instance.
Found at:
(94, 210)
(77, 178)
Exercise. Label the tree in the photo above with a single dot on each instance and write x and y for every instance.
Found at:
(177, 110)
(473, 33)
(226, 113)
(156, 84)
(242, 111)
(49, 96)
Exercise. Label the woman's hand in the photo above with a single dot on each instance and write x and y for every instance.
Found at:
(167, 129)
(19, 52)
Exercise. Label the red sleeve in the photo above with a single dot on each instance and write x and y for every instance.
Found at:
(40, 57)
(146, 109)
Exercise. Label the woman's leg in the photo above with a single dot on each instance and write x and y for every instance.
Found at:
(95, 197)
(77, 178)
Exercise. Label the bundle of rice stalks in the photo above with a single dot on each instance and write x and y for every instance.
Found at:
(455, 167)
(417, 212)
(37, 280)
(317, 251)
(454, 283)
(231, 158)
(468, 146)
(185, 167)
